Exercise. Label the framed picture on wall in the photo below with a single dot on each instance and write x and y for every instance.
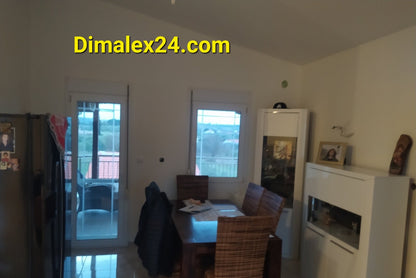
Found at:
(331, 153)
(7, 140)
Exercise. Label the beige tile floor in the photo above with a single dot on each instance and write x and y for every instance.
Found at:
(125, 263)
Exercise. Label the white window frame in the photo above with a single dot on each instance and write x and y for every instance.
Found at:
(100, 91)
(224, 101)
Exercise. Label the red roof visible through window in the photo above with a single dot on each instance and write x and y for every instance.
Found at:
(108, 167)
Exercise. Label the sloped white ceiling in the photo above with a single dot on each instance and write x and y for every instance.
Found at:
(299, 31)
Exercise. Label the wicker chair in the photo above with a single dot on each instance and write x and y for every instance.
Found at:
(241, 247)
(190, 186)
(271, 204)
(252, 198)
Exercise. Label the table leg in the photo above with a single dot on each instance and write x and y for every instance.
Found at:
(273, 263)
(188, 261)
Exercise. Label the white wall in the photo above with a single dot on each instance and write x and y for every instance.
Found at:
(159, 85)
(371, 90)
(14, 56)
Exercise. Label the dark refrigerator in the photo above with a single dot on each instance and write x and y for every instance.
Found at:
(32, 223)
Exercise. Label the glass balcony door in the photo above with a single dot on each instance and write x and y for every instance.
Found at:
(95, 156)
(98, 170)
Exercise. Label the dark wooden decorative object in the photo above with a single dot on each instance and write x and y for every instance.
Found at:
(400, 154)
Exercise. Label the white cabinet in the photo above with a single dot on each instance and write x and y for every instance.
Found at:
(279, 166)
(313, 243)
(353, 222)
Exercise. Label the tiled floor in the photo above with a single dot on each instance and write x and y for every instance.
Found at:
(290, 269)
(124, 263)
(105, 263)
(97, 224)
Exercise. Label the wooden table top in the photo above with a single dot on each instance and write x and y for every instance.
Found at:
(192, 231)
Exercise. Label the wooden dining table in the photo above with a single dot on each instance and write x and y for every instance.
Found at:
(198, 235)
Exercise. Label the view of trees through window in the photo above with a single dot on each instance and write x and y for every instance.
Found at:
(98, 123)
(217, 143)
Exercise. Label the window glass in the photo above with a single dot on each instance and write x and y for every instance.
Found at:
(217, 143)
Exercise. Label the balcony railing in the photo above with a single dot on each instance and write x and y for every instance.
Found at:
(217, 166)
(108, 165)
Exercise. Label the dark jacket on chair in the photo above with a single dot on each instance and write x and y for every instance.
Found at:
(156, 237)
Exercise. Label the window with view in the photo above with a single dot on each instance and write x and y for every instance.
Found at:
(216, 144)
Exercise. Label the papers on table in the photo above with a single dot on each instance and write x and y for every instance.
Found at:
(191, 206)
(208, 211)
(218, 210)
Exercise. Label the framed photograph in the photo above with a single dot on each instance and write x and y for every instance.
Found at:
(331, 153)
(7, 140)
